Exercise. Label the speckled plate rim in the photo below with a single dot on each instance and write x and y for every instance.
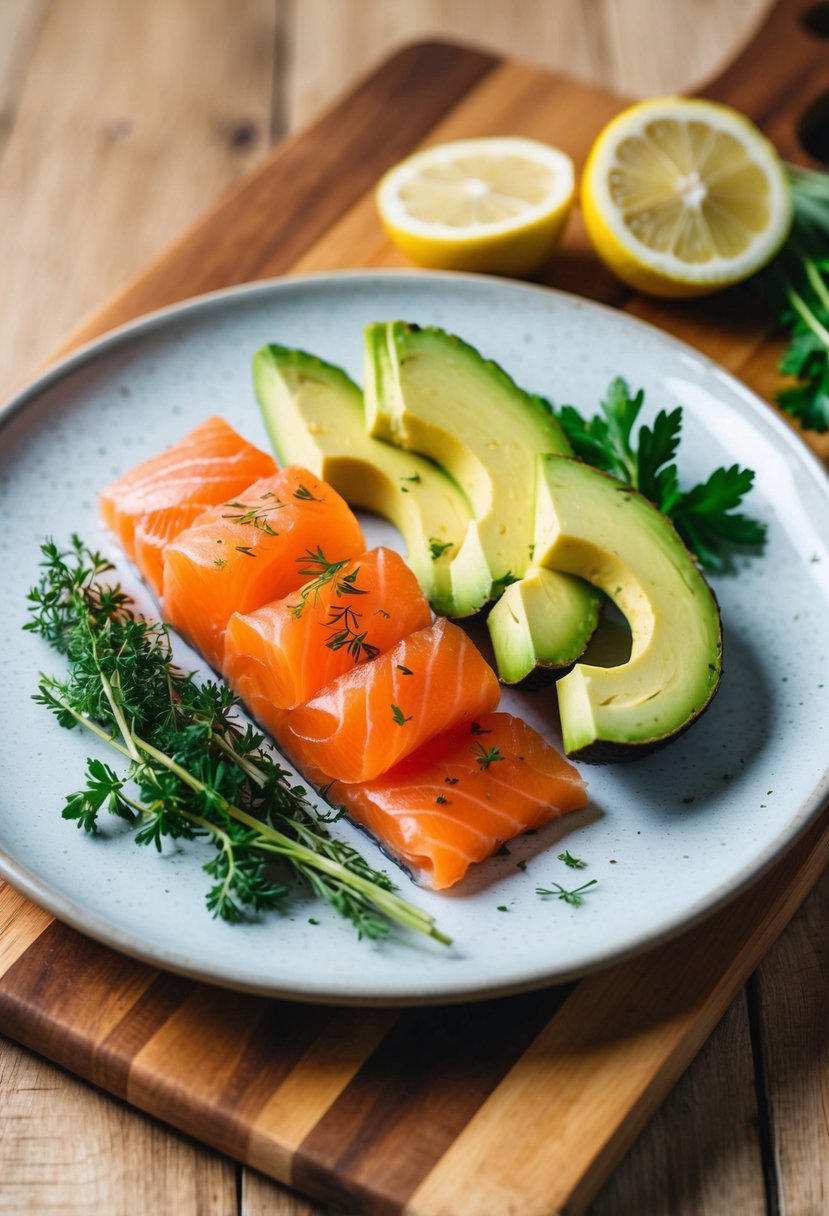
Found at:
(30, 885)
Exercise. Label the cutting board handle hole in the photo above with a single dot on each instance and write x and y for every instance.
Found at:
(813, 128)
(816, 20)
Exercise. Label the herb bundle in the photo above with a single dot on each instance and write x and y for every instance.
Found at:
(705, 516)
(796, 284)
(189, 769)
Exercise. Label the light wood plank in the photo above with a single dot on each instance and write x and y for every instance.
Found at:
(20, 22)
(133, 118)
(68, 1150)
(700, 1154)
(793, 994)
(17, 933)
(635, 47)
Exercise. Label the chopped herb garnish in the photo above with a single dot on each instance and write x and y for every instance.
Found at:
(406, 671)
(220, 563)
(499, 585)
(485, 756)
(416, 478)
(475, 728)
(451, 780)
(246, 549)
(521, 865)
(438, 547)
(316, 567)
(575, 863)
(575, 897)
(257, 515)
(398, 716)
(503, 908)
(305, 495)
(441, 798)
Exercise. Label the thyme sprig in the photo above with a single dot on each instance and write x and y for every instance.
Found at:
(316, 567)
(189, 768)
(256, 514)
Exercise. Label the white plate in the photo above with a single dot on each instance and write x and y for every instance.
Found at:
(669, 838)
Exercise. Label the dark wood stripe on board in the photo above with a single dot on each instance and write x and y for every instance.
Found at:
(413, 1097)
(305, 185)
(67, 993)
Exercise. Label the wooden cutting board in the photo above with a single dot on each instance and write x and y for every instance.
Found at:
(519, 1105)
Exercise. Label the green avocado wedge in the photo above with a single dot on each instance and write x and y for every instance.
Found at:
(542, 624)
(429, 392)
(313, 412)
(591, 525)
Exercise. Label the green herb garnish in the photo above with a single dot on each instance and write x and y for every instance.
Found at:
(305, 495)
(437, 547)
(189, 769)
(705, 516)
(485, 756)
(398, 715)
(796, 285)
(575, 863)
(256, 515)
(575, 897)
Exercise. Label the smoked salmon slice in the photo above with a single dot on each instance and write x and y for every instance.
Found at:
(153, 502)
(249, 551)
(367, 720)
(348, 613)
(458, 798)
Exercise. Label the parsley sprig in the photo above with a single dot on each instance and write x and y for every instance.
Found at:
(705, 516)
(188, 768)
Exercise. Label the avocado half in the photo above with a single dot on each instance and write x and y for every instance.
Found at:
(593, 526)
(313, 412)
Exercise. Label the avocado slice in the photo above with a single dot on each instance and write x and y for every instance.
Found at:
(314, 415)
(544, 620)
(591, 525)
(427, 391)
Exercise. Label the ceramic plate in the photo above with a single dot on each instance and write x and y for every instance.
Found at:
(668, 838)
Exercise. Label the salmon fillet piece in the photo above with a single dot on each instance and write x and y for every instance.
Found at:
(458, 798)
(150, 504)
(367, 720)
(283, 653)
(251, 550)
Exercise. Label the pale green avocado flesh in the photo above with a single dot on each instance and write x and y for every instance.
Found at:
(314, 415)
(546, 619)
(429, 392)
(591, 525)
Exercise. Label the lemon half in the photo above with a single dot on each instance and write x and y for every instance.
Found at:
(682, 197)
(496, 204)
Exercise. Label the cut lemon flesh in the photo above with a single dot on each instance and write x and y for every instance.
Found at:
(683, 196)
(496, 204)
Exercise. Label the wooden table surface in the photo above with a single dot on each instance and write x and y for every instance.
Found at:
(119, 123)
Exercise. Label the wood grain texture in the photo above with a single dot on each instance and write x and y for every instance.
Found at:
(114, 1161)
(699, 1155)
(160, 999)
(792, 990)
(76, 218)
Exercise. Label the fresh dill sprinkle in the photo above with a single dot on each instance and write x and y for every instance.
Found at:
(406, 671)
(521, 865)
(503, 908)
(220, 563)
(188, 769)
(438, 547)
(344, 624)
(475, 728)
(485, 756)
(451, 780)
(575, 863)
(398, 716)
(305, 495)
(500, 584)
(314, 565)
(246, 549)
(415, 478)
(312, 920)
(257, 516)
(441, 798)
(575, 897)
(382, 612)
